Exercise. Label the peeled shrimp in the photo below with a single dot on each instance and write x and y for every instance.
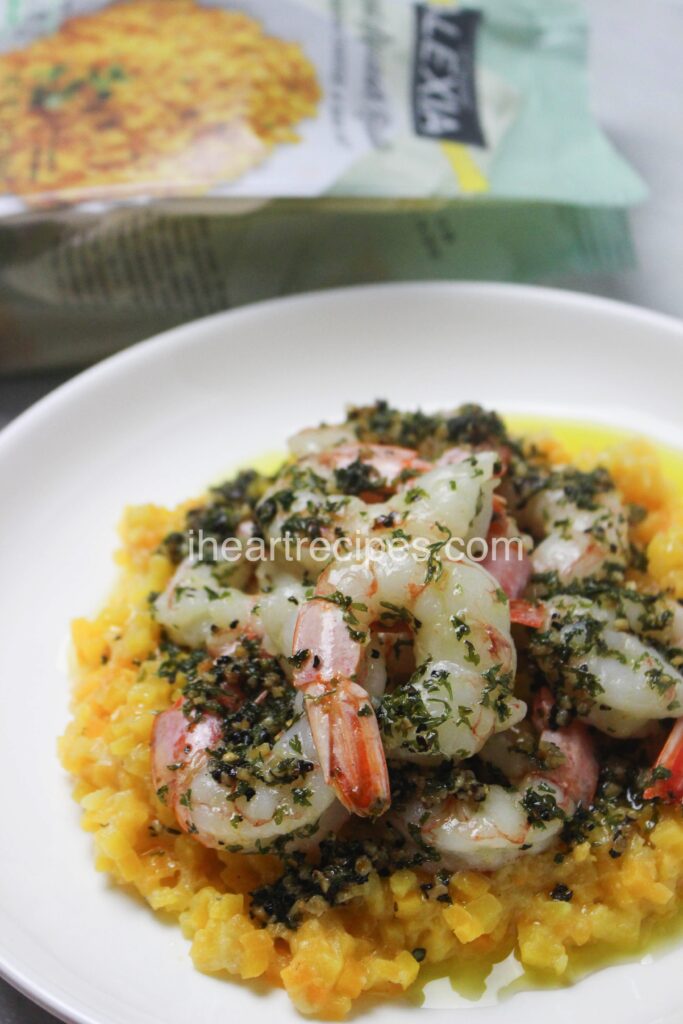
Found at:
(283, 797)
(197, 608)
(284, 800)
(307, 501)
(196, 611)
(522, 819)
(386, 466)
(459, 695)
(617, 680)
(670, 787)
(580, 523)
(323, 438)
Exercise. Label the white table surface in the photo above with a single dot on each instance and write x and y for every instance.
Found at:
(637, 90)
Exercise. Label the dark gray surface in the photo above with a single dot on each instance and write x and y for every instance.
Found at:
(18, 393)
(17, 1009)
(637, 85)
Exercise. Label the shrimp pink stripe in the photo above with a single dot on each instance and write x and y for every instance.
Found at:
(512, 572)
(393, 464)
(177, 744)
(578, 775)
(670, 757)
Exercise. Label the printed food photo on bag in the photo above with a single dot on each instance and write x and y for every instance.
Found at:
(148, 98)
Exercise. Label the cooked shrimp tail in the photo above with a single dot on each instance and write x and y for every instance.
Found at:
(340, 714)
(346, 735)
(669, 789)
(526, 613)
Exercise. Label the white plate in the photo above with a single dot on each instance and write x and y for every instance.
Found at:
(156, 424)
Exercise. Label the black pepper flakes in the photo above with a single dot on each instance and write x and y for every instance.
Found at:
(562, 893)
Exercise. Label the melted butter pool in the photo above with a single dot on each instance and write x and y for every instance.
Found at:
(488, 980)
(579, 436)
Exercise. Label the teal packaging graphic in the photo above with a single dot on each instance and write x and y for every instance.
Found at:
(139, 99)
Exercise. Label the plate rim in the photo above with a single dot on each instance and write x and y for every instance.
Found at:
(176, 336)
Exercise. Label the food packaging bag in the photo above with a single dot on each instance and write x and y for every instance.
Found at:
(73, 292)
(164, 158)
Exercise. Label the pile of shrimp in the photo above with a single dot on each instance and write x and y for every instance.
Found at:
(403, 706)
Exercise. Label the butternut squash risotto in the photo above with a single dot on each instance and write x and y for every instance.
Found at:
(344, 737)
(147, 93)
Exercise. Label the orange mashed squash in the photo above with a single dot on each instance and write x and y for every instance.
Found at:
(365, 946)
(164, 96)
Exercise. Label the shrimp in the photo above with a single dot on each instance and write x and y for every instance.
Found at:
(326, 495)
(615, 652)
(248, 803)
(312, 440)
(615, 679)
(369, 470)
(580, 523)
(460, 694)
(669, 787)
(341, 497)
(197, 609)
(282, 799)
(512, 569)
(522, 819)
